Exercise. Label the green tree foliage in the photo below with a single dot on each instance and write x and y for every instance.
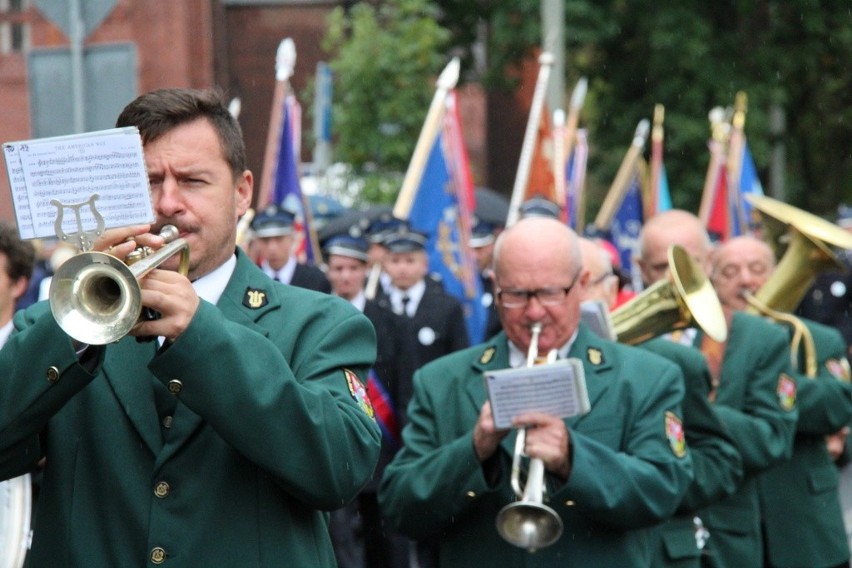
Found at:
(690, 56)
(385, 61)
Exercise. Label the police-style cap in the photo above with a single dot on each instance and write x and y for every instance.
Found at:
(405, 240)
(348, 244)
(483, 233)
(377, 229)
(539, 207)
(273, 221)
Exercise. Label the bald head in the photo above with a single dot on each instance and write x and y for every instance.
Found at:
(603, 283)
(538, 278)
(674, 227)
(740, 264)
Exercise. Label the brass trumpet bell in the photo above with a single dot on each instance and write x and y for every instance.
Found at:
(96, 298)
(683, 300)
(529, 525)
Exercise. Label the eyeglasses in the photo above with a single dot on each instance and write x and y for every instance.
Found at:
(519, 298)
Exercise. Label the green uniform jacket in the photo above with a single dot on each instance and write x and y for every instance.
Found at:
(800, 503)
(717, 465)
(625, 475)
(266, 433)
(751, 401)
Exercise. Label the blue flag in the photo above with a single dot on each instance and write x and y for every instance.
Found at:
(626, 225)
(286, 189)
(442, 210)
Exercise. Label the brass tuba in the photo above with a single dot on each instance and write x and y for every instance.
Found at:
(805, 244)
(684, 299)
(529, 523)
(96, 298)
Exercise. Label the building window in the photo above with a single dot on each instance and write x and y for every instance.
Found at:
(14, 29)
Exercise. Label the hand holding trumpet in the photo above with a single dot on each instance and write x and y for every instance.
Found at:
(96, 298)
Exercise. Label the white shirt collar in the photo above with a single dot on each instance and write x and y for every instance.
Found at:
(518, 358)
(415, 294)
(210, 287)
(285, 274)
(5, 332)
(359, 301)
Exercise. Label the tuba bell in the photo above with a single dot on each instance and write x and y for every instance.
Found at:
(529, 523)
(96, 298)
(684, 299)
(805, 244)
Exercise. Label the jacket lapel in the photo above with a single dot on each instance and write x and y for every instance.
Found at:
(126, 370)
(596, 357)
(242, 303)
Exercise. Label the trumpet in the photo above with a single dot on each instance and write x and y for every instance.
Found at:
(96, 298)
(529, 523)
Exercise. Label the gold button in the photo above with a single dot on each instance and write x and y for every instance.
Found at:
(158, 555)
(569, 503)
(167, 422)
(52, 375)
(175, 386)
(471, 495)
(161, 489)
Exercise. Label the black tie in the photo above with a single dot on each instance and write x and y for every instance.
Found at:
(405, 300)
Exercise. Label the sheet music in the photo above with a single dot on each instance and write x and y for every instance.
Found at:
(557, 388)
(596, 315)
(70, 169)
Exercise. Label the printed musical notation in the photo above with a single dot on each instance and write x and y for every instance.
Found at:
(70, 170)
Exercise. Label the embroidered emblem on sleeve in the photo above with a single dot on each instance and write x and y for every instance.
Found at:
(675, 434)
(359, 392)
(839, 368)
(786, 391)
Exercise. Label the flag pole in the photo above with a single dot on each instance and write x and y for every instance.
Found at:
(718, 140)
(285, 62)
(578, 98)
(657, 135)
(621, 183)
(414, 174)
(431, 125)
(522, 176)
(735, 162)
(560, 161)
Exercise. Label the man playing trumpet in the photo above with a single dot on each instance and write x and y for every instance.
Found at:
(622, 466)
(220, 442)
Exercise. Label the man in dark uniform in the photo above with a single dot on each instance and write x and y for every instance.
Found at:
(359, 535)
(619, 468)
(437, 319)
(273, 232)
(483, 235)
(805, 486)
(717, 465)
(752, 392)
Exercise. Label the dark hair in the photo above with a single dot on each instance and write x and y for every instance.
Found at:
(160, 111)
(20, 255)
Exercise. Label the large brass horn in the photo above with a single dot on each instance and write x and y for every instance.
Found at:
(684, 299)
(805, 244)
(96, 298)
(804, 250)
(529, 523)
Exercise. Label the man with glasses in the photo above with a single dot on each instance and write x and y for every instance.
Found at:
(621, 467)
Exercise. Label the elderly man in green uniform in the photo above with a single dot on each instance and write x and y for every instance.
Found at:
(222, 439)
(619, 468)
(752, 392)
(715, 460)
(800, 504)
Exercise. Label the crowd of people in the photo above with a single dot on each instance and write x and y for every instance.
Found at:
(277, 413)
